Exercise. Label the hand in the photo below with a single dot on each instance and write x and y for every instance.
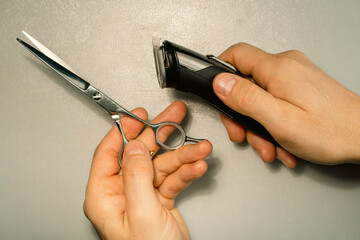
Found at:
(137, 200)
(308, 113)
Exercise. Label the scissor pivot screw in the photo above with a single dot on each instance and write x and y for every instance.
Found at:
(97, 96)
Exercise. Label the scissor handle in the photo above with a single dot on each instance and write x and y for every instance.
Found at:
(181, 137)
(158, 127)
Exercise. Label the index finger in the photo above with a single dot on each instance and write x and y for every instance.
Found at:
(251, 61)
(173, 113)
(105, 161)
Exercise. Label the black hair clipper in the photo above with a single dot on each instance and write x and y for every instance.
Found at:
(185, 70)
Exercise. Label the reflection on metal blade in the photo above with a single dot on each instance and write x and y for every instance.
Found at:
(49, 53)
(60, 69)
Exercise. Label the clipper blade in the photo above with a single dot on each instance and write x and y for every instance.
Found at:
(159, 61)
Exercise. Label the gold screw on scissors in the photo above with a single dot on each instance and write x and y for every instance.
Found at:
(115, 110)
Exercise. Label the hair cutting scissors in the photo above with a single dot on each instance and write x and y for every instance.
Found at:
(115, 110)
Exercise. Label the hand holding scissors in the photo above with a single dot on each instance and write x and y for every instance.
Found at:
(153, 189)
(115, 110)
(137, 199)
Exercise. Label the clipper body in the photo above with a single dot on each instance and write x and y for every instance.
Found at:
(185, 70)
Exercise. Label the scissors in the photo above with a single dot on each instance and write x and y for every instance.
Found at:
(115, 110)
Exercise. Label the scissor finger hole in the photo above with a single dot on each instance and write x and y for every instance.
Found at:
(170, 136)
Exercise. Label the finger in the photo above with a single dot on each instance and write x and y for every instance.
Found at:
(265, 148)
(288, 159)
(268, 151)
(174, 113)
(132, 126)
(182, 178)
(167, 163)
(235, 131)
(137, 171)
(251, 60)
(105, 161)
(251, 100)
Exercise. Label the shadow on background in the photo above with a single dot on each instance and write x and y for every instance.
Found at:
(175, 94)
(276, 165)
(345, 176)
(203, 186)
(93, 230)
(193, 99)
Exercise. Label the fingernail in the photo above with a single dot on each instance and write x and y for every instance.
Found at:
(285, 163)
(133, 148)
(224, 84)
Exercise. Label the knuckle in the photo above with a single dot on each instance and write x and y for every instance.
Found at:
(160, 173)
(292, 56)
(246, 96)
(239, 47)
(159, 176)
(297, 53)
(286, 62)
(101, 149)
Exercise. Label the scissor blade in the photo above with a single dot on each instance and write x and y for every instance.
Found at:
(49, 53)
(70, 76)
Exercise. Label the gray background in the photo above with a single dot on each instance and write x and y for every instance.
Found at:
(49, 131)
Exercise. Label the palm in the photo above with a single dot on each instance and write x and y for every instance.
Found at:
(112, 203)
(120, 210)
(113, 199)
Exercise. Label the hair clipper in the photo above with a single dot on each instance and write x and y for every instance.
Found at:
(188, 71)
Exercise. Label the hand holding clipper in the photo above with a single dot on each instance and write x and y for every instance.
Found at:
(185, 70)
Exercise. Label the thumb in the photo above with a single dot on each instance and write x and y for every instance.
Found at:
(138, 175)
(247, 98)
